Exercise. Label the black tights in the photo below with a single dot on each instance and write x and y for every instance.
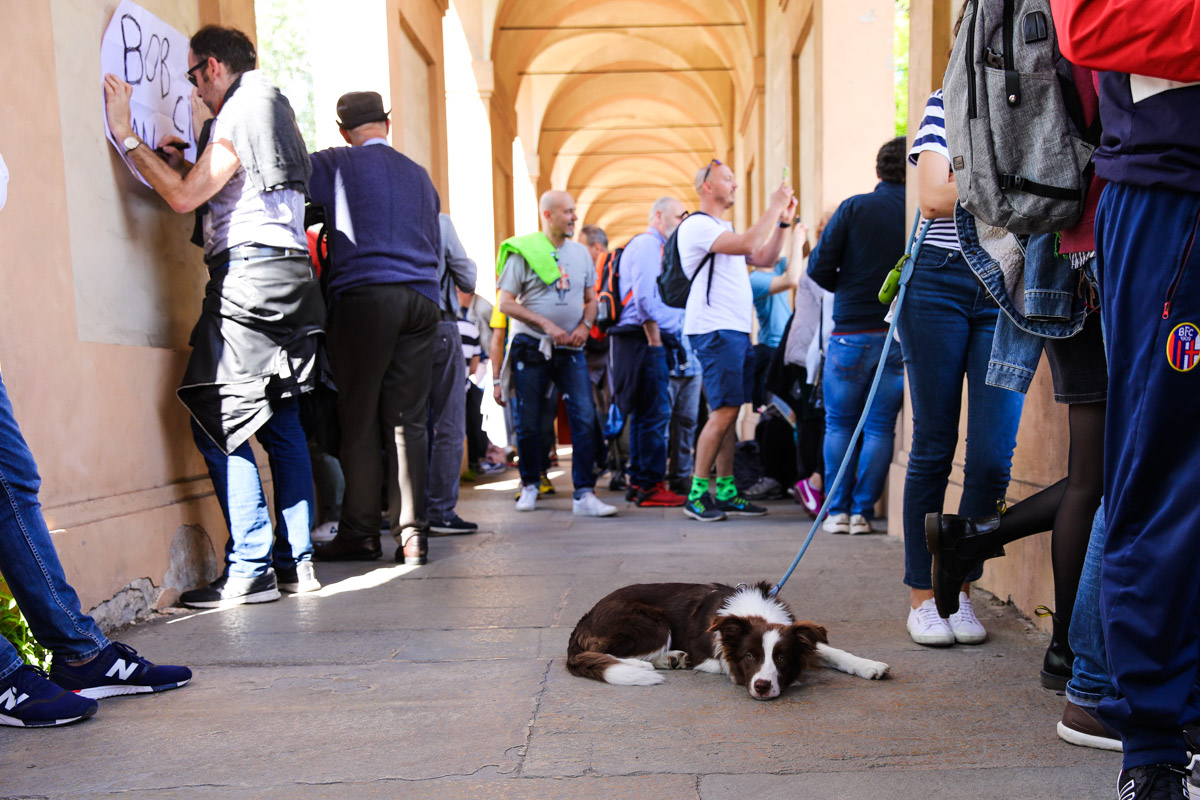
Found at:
(1067, 508)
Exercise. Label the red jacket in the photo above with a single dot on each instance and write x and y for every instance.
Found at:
(1157, 38)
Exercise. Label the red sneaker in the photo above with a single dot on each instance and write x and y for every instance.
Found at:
(659, 495)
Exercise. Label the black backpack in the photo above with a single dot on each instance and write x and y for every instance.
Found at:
(674, 285)
(609, 302)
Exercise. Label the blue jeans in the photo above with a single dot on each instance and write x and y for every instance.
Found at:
(649, 422)
(1090, 682)
(532, 377)
(253, 547)
(946, 328)
(850, 363)
(29, 561)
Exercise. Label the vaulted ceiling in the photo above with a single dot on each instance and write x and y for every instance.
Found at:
(619, 101)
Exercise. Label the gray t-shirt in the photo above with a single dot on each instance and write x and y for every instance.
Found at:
(240, 214)
(560, 302)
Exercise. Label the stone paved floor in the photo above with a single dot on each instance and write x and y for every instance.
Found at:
(447, 681)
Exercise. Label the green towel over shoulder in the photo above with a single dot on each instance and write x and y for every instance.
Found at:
(537, 251)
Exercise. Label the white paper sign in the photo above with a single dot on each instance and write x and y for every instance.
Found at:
(147, 53)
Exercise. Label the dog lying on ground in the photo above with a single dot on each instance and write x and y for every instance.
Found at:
(741, 632)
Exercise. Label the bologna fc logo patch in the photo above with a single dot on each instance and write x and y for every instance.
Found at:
(1183, 347)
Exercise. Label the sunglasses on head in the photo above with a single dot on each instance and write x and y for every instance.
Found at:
(711, 164)
(191, 73)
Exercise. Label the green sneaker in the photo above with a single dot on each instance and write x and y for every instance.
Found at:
(740, 506)
(703, 508)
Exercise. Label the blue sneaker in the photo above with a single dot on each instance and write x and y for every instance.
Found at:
(118, 669)
(739, 506)
(29, 700)
(703, 508)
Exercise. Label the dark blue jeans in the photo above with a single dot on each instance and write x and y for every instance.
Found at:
(946, 327)
(649, 422)
(29, 561)
(532, 378)
(1149, 595)
(1090, 682)
(253, 547)
(850, 364)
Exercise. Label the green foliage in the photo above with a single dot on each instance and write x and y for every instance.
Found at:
(900, 65)
(14, 628)
(283, 55)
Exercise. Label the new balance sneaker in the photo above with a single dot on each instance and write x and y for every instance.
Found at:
(659, 496)
(703, 508)
(739, 506)
(300, 579)
(117, 670)
(966, 626)
(1082, 726)
(591, 506)
(230, 590)
(527, 499)
(927, 628)
(324, 532)
(453, 526)
(859, 524)
(765, 488)
(836, 523)
(1153, 782)
(28, 699)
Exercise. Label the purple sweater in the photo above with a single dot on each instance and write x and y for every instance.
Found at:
(385, 215)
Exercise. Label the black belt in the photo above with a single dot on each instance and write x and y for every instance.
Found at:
(245, 251)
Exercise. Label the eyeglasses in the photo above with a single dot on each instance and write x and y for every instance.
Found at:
(711, 164)
(191, 73)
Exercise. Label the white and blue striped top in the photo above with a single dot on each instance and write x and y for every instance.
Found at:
(932, 137)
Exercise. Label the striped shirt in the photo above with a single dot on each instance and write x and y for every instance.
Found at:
(468, 331)
(932, 137)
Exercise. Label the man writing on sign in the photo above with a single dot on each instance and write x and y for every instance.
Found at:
(256, 344)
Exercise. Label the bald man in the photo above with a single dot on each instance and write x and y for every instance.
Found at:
(549, 296)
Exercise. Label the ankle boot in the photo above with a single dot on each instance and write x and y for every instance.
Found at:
(959, 545)
(1059, 660)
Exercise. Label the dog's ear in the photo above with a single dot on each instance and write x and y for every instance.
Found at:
(729, 627)
(811, 631)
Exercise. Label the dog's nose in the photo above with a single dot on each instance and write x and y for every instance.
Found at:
(762, 688)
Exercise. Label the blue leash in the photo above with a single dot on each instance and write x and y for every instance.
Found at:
(906, 269)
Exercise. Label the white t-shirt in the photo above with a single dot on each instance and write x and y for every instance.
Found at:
(730, 305)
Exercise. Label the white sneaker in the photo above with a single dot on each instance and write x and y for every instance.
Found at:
(836, 523)
(591, 506)
(324, 532)
(965, 625)
(926, 627)
(859, 524)
(528, 498)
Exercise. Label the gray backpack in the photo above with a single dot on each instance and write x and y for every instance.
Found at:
(1014, 123)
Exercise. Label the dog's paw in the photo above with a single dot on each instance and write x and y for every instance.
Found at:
(678, 659)
(872, 670)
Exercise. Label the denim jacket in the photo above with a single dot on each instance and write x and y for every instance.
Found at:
(1035, 288)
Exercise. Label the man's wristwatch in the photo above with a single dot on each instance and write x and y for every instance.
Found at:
(785, 224)
(130, 143)
(586, 324)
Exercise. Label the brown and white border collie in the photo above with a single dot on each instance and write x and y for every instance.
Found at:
(741, 632)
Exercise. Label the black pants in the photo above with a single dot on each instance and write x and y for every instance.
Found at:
(381, 346)
(477, 439)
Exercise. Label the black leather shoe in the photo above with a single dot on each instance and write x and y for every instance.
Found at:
(1059, 660)
(414, 551)
(342, 548)
(949, 538)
